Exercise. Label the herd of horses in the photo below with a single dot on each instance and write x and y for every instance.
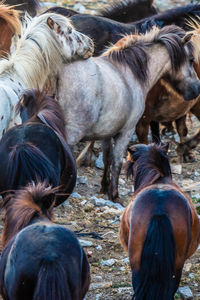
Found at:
(59, 86)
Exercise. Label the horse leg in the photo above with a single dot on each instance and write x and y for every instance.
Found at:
(181, 128)
(107, 159)
(121, 142)
(142, 129)
(168, 128)
(155, 132)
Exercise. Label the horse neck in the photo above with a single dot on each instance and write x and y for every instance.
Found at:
(159, 64)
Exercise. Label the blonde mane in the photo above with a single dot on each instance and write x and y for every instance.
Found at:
(194, 25)
(38, 52)
(11, 17)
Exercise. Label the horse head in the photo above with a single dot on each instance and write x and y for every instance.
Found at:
(74, 44)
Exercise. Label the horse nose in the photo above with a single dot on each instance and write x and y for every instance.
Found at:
(193, 92)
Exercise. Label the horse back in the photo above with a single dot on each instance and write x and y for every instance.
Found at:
(49, 245)
(163, 200)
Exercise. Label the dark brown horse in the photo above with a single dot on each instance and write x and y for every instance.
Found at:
(40, 260)
(37, 149)
(160, 228)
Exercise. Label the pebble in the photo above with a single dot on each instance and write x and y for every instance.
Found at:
(109, 262)
(176, 169)
(76, 195)
(187, 267)
(100, 285)
(126, 260)
(99, 162)
(196, 173)
(185, 292)
(85, 243)
(99, 247)
(79, 7)
(82, 180)
(100, 202)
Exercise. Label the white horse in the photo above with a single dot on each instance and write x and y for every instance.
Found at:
(104, 97)
(46, 44)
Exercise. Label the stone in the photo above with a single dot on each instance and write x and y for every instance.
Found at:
(76, 195)
(187, 267)
(125, 260)
(82, 180)
(99, 247)
(100, 285)
(79, 7)
(85, 243)
(99, 162)
(176, 169)
(185, 292)
(98, 201)
(109, 262)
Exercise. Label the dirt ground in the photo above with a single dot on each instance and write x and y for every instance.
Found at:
(114, 282)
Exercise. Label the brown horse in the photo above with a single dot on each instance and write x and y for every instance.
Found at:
(164, 104)
(159, 228)
(9, 26)
(40, 260)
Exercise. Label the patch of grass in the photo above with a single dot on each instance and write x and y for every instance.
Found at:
(119, 285)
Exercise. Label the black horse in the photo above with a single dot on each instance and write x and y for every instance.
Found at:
(121, 11)
(31, 6)
(105, 31)
(41, 260)
(37, 150)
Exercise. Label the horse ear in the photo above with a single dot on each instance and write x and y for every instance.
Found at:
(187, 38)
(50, 22)
(165, 148)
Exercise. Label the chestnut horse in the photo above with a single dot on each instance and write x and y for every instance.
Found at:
(159, 228)
(37, 149)
(40, 259)
(9, 26)
(104, 97)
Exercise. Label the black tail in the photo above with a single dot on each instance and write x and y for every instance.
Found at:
(28, 163)
(155, 278)
(52, 282)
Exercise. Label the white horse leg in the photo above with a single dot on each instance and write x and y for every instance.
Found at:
(107, 160)
(121, 142)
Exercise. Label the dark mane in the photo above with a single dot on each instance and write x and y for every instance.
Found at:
(25, 205)
(131, 51)
(149, 163)
(44, 105)
(128, 10)
(31, 6)
(62, 11)
(176, 16)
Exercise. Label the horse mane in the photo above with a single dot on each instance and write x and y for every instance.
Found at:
(33, 50)
(11, 17)
(194, 26)
(131, 50)
(119, 10)
(46, 106)
(24, 205)
(67, 12)
(148, 164)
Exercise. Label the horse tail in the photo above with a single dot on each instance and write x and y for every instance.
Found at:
(28, 163)
(155, 278)
(52, 282)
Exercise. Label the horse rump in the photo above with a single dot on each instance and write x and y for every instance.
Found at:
(155, 278)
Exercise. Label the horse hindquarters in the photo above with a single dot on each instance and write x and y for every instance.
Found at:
(155, 278)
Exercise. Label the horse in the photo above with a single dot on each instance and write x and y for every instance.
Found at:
(10, 26)
(40, 259)
(104, 31)
(164, 104)
(37, 149)
(46, 44)
(159, 228)
(104, 97)
(120, 11)
(30, 6)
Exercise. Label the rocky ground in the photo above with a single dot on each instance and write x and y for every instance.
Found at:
(87, 212)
